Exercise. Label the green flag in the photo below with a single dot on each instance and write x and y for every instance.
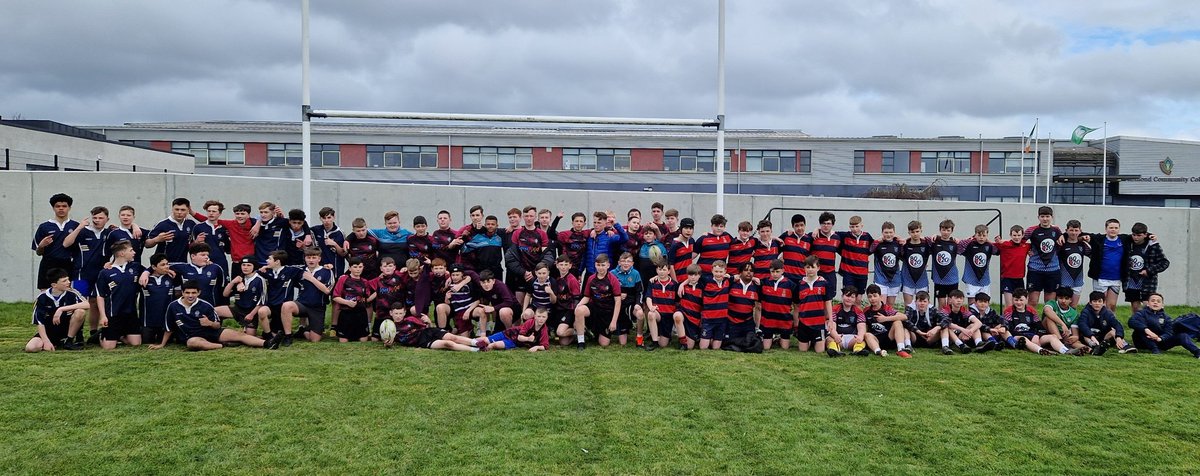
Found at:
(1077, 136)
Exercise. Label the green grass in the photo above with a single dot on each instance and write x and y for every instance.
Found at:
(356, 408)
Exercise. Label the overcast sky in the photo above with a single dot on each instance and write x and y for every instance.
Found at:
(830, 68)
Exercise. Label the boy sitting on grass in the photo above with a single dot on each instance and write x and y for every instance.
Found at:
(848, 327)
(59, 313)
(1099, 328)
(993, 325)
(923, 323)
(532, 334)
(201, 327)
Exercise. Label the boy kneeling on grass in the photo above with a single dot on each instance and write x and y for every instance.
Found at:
(201, 328)
(1099, 328)
(532, 334)
(418, 331)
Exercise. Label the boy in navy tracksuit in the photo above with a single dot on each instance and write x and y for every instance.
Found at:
(1155, 331)
(1099, 328)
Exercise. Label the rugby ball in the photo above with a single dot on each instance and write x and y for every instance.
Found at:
(655, 254)
(387, 331)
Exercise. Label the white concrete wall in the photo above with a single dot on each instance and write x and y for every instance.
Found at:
(24, 194)
(77, 152)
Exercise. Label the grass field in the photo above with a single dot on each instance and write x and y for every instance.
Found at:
(356, 408)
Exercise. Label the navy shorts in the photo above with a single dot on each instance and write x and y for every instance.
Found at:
(943, 290)
(121, 326)
(771, 333)
(810, 334)
(1136, 295)
(208, 334)
(1043, 281)
(1008, 285)
(831, 288)
(713, 328)
(859, 283)
(739, 330)
(691, 329)
(666, 324)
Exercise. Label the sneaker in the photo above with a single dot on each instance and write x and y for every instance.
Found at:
(1021, 342)
(1128, 349)
(1074, 351)
(70, 344)
(881, 353)
(651, 346)
(1044, 351)
(581, 345)
(299, 334)
(272, 342)
(863, 352)
(909, 349)
(964, 348)
(830, 351)
(94, 338)
(904, 354)
(1100, 349)
(683, 347)
(287, 340)
(946, 351)
(481, 343)
(988, 345)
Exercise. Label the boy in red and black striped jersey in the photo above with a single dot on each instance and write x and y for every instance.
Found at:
(743, 304)
(766, 250)
(714, 314)
(360, 244)
(713, 246)
(444, 240)
(600, 305)
(564, 293)
(741, 249)
(794, 249)
(691, 303)
(813, 308)
(855, 250)
(825, 245)
(573, 243)
(420, 244)
(681, 249)
(777, 300)
(661, 303)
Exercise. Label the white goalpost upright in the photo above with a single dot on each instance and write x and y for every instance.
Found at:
(308, 113)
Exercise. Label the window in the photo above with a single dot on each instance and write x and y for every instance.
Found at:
(946, 162)
(1177, 202)
(693, 160)
(406, 156)
(771, 160)
(596, 159)
(501, 158)
(803, 164)
(1010, 163)
(284, 154)
(860, 161)
(213, 153)
(889, 161)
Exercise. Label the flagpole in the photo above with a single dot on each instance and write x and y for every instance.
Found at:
(1024, 145)
(1037, 158)
(982, 165)
(1104, 169)
(1049, 165)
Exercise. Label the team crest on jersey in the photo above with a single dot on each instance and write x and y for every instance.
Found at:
(1075, 260)
(1047, 245)
(916, 261)
(979, 260)
(1136, 263)
(877, 327)
(943, 258)
(889, 260)
(1022, 327)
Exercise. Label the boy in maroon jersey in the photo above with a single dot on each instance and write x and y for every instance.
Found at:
(671, 230)
(353, 295)
(429, 285)
(420, 244)
(777, 303)
(681, 251)
(855, 250)
(814, 309)
(691, 304)
(573, 243)
(549, 223)
(443, 239)
(714, 318)
(825, 244)
(794, 249)
(360, 244)
(714, 245)
(600, 305)
(532, 334)
(529, 246)
(388, 288)
(496, 303)
(743, 304)
(656, 218)
(661, 304)
(565, 294)
(741, 249)
(766, 250)
(415, 331)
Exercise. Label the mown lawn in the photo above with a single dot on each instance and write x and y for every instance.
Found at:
(356, 409)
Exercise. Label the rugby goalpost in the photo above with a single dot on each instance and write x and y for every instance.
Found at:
(308, 113)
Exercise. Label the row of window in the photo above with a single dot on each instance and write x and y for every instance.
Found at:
(947, 162)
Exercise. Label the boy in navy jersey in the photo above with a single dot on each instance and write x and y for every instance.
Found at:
(248, 308)
(129, 231)
(48, 240)
(924, 322)
(90, 241)
(766, 250)
(824, 243)
(354, 295)
(565, 291)
(1099, 328)
(280, 284)
(295, 238)
(885, 326)
(158, 291)
(117, 292)
(848, 326)
(173, 235)
(944, 251)
(714, 317)
(888, 264)
(993, 325)
(1025, 327)
(210, 277)
(59, 314)
(312, 296)
(329, 239)
(197, 321)
(778, 307)
(977, 253)
(600, 305)
(744, 313)
(1044, 267)
(271, 226)
(214, 235)
(713, 246)
(661, 307)
(915, 253)
(691, 305)
(1070, 257)
(681, 250)
(964, 328)
(854, 247)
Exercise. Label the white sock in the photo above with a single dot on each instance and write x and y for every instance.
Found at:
(907, 342)
(945, 341)
(579, 338)
(978, 340)
(899, 346)
(1063, 349)
(474, 349)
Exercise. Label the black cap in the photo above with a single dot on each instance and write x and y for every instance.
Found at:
(456, 267)
(687, 223)
(247, 259)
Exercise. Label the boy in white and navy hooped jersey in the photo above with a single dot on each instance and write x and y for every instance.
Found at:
(197, 321)
(173, 234)
(117, 292)
(58, 314)
(157, 294)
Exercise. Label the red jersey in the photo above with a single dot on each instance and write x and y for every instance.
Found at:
(1012, 258)
(740, 253)
(664, 295)
(691, 301)
(794, 250)
(240, 242)
(742, 298)
(856, 253)
(716, 298)
(810, 302)
(825, 248)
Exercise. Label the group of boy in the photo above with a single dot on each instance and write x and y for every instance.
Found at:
(482, 287)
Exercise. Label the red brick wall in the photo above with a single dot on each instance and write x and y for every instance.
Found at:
(874, 161)
(646, 159)
(160, 145)
(256, 153)
(547, 160)
(354, 155)
(914, 161)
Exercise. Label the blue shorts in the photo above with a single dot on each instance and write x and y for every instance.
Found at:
(1008, 285)
(713, 328)
(1042, 281)
(859, 283)
(84, 287)
(500, 337)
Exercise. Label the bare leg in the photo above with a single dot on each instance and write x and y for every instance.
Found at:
(197, 343)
